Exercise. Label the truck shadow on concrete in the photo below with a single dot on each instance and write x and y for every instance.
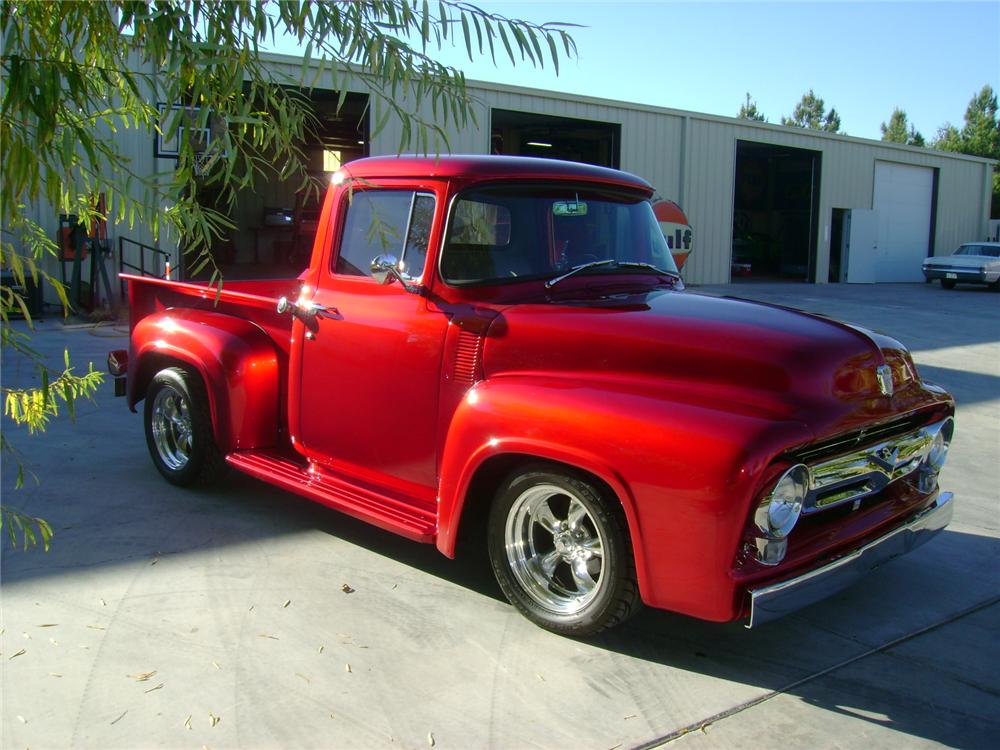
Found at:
(937, 685)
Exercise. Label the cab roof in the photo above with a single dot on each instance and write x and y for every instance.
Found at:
(478, 168)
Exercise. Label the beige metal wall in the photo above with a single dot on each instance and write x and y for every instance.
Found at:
(691, 158)
(688, 157)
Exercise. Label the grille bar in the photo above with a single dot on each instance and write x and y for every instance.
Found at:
(864, 472)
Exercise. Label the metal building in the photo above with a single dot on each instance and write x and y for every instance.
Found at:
(766, 201)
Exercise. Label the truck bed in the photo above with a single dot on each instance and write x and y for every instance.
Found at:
(253, 300)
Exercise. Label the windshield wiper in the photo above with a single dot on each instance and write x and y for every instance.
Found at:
(610, 262)
(650, 266)
(576, 269)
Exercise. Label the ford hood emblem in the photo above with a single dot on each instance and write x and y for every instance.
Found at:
(883, 373)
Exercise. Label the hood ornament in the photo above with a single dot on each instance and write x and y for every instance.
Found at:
(883, 374)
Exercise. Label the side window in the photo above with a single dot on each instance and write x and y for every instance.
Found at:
(385, 222)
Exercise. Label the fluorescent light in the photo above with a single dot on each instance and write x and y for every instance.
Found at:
(540, 144)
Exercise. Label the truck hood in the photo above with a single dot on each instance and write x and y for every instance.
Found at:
(722, 352)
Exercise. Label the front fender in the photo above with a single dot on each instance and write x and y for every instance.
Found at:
(685, 473)
(236, 359)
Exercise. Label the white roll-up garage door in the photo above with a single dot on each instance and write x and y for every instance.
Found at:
(903, 198)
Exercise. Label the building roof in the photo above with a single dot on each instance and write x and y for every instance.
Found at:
(295, 62)
(484, 168)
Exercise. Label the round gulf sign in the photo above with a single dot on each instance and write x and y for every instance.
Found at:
(676, 230)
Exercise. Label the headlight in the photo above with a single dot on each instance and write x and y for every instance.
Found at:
(779, 511)
(935, 457)
(939, 446)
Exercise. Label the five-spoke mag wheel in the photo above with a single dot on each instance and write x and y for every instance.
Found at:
(559, 548)
(178, 426)
(171, 425)
(554, 548)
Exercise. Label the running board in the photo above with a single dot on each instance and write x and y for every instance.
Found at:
(410, 518)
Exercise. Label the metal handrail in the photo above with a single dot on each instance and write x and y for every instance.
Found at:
(157, 270)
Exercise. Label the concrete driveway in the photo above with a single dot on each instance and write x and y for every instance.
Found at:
(248, 618)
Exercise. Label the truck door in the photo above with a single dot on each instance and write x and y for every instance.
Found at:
(370, 366)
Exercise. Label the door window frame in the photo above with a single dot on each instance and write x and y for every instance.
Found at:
(336, 242)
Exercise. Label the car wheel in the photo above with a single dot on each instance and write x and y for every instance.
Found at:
(179, 429)
(560, 550)
(995, 285)
(947, 283)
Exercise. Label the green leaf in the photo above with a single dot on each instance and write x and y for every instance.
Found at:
(506, 42)
(553, 51)
(468, 36)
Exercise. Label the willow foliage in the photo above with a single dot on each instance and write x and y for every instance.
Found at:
(77, 76)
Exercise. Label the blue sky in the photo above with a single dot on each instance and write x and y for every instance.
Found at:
(862, 58)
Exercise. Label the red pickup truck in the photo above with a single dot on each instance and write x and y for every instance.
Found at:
(500, 350)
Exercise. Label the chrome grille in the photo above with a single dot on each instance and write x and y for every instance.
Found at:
(864, 436)
(866, 471)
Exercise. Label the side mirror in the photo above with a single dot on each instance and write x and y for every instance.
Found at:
(385, 270)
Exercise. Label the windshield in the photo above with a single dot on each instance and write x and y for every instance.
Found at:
(987, 250)
(517, 233)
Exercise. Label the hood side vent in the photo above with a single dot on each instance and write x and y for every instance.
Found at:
(469, 358)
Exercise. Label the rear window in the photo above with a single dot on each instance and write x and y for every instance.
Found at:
(987, 250)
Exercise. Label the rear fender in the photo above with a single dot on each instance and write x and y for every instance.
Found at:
(235, 358)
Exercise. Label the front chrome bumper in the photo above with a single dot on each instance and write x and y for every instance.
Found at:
(779, 599)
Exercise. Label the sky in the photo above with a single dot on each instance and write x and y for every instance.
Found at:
(864, 59)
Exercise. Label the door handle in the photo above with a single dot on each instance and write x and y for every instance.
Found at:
(307, 310)
(314, 309)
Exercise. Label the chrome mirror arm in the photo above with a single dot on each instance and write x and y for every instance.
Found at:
(385, 270)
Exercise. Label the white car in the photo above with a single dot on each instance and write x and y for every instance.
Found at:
(972, 263)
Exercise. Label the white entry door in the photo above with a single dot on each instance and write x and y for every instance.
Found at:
(903, 199)
(861, 228)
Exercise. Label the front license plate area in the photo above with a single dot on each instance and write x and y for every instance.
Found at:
(951, 275)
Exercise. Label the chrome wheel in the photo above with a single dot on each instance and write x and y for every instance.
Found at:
(172, 428)
(555, 549)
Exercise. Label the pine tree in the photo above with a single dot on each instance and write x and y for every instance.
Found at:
(749, 111)
(810, 113)
(899, 131)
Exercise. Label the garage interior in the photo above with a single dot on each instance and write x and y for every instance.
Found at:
(528, 134)
(275, 220)
(775, 212)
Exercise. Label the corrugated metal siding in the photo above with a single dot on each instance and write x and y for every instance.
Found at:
(708, 200)
(651, 147)
(652, 141)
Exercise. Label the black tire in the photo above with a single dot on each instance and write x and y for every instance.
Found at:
(179, 432)
(548, 576)
(947, 283)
